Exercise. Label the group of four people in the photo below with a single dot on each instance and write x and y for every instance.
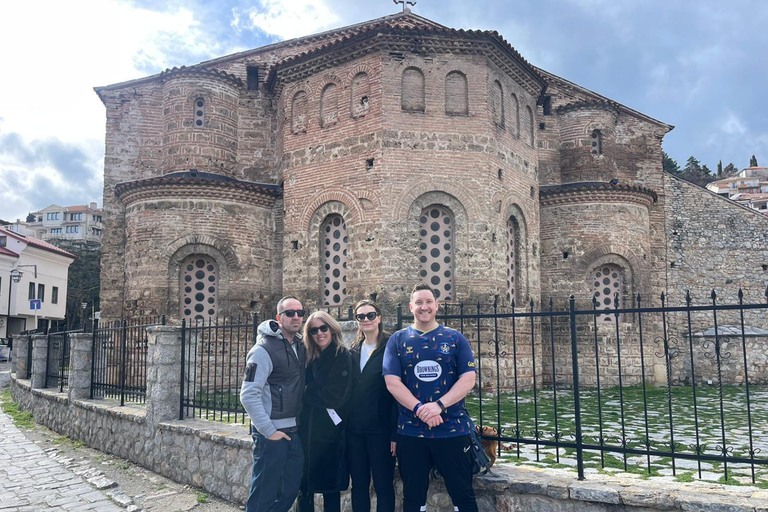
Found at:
(321, 413)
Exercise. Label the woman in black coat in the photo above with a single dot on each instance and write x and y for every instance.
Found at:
(372, 416)
(323, 418)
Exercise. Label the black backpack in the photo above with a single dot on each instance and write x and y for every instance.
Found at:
(481, 463)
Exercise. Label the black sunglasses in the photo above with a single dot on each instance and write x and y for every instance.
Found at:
(322, 328)
(370, 316)
(290, 312)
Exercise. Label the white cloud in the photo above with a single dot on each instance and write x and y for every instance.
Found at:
(288, 19)
(59, 50)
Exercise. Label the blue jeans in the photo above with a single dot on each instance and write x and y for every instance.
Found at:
(277, 469)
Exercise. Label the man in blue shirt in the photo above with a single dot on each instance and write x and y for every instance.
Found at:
(429, 369)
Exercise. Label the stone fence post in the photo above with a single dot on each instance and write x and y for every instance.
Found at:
(39, 360)
(163, 373)
(20, 356)
(80, 356)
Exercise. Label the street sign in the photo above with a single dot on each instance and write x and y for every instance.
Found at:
(35, 304)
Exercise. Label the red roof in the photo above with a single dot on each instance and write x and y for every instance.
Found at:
(81, 208)
(34, 242)
(8, 252)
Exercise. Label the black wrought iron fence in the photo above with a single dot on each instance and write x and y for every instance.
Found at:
(213, 359)
(57, 362)
(119, 362)
(29, 357)
(679, 390)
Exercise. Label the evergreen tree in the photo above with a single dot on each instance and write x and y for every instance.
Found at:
(84, 279)
(669, 164)
(730, 170)
(753, 161)
(719, 168)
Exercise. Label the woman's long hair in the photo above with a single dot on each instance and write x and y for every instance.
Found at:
(313, 351)
(381, 339)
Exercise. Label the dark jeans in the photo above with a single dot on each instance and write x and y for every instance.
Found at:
(277, 468)
(451, 456)
(369, 454)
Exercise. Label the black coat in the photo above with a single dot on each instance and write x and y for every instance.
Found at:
(372, 410)
(328, 386)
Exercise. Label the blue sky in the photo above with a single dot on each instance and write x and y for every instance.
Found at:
(699, 65)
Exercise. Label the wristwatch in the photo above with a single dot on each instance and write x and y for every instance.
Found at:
(442, 407)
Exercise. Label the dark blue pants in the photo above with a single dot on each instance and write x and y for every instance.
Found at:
(368, 454)
(277, 468)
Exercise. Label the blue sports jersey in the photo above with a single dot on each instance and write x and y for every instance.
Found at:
(429, 364)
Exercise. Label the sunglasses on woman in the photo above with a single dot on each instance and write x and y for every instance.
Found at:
(322, 328)
(369, 316)
(291, 312)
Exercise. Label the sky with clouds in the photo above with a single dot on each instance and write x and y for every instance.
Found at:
(699, 65)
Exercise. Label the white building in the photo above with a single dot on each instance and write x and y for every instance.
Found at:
(77, 222)
(749, 187)
(43, 269)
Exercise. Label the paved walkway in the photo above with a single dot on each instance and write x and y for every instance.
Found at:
(30, 481)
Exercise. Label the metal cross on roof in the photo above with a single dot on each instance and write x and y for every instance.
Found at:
(405, 3)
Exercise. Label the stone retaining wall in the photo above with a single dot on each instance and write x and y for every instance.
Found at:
(217, 457)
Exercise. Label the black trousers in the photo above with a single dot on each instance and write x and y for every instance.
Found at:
(369, 454)
(452, 458)
(331, 502)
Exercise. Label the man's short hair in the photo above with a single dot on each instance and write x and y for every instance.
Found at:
(423, 286)
(281, 301)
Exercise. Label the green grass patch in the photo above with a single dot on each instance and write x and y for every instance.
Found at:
(202, 497)
(21, 419)
(658, 418)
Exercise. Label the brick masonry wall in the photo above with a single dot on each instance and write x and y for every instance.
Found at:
(161, 232)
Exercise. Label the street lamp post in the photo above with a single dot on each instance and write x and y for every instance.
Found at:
(83, 308)
(16, 278)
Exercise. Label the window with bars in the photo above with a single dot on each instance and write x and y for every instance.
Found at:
(199, 287)
(334, 242)
(436, 262)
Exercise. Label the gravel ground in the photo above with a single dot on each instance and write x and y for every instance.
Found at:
(131, 486)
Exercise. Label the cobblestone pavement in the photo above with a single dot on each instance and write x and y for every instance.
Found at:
(32, 481)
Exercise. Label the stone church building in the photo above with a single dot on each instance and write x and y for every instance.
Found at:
(368, 158)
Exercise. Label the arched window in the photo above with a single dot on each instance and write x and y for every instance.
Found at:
(513, 260)
(412, 98)
(333, 260)
(497, 103)
(607, 285)
(299, 107)
(531, 121)
(516, 113)
(199, 112)
(199, 287)
(329, 106)
(436, 266)
(456, 94)
(597, 143)
(360, 95)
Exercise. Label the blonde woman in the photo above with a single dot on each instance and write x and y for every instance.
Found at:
(372, 416)
(323, 418)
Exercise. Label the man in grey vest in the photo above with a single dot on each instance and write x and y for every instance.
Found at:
(271, 395)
